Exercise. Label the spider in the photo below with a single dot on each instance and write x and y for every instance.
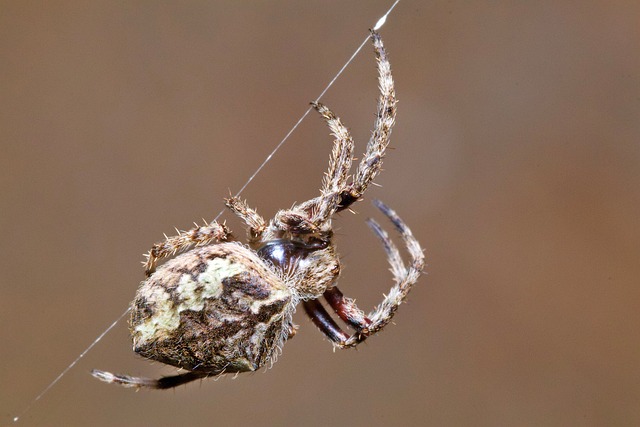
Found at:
(227, 307)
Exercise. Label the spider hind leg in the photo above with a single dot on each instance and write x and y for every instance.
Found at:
(141, 382)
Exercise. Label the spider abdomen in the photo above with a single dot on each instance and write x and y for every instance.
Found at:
(214, 309)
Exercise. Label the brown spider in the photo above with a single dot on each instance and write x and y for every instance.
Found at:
(227, 308)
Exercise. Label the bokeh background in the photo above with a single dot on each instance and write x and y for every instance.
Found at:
(516, 160)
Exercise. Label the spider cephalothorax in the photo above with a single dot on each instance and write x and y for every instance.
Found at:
(224, 307)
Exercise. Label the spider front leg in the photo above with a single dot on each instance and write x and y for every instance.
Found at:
(371, 162)
(404, 277)
(185, 240)
(255, 222)
(335, 179)
(337, 193)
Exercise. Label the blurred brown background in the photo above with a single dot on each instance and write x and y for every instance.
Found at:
(516, 162)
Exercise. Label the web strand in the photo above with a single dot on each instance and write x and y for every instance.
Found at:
(376, 27)
(71, 365)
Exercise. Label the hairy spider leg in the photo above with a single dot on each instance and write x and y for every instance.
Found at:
(346, 309)
(335, 179)
(336, 193)
(371, 163)
(251, 218)
(184, 240)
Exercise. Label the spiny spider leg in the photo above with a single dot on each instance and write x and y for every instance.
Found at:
(198, 236)
(255, 222)
(371, 162)
(340, 161)
(404, 277)
(139, 382)
(341, 154)
(346, 308)
(336, 193)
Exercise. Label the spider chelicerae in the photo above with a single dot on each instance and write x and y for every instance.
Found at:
(224, 307)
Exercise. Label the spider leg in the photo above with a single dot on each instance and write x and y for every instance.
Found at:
(347, 310)
(140, 382)
(185, 240)
(371, 162)
(339, 164)
(324, 322)
(336, 193)
(255, 222)
(404, 277)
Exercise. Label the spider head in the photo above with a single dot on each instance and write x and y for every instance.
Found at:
(302, 251)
